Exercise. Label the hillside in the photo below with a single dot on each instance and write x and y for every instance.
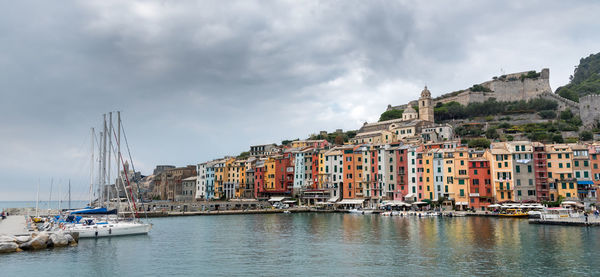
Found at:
(585, 80)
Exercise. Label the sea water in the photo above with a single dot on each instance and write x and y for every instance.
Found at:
(310, 244)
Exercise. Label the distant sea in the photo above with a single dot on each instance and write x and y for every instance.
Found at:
(75, 204)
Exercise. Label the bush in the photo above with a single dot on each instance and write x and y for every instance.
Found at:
(504, 125)
(557, 139)
(491, 133)
(479, 143)
(547, 114)
(566, 115)
(391, 114)
(586, 135)
(510, 138)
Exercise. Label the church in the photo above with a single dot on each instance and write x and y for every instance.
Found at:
(414, 126)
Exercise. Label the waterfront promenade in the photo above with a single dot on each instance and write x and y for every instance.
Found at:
(13, 225)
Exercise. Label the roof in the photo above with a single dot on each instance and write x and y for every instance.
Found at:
(193, 178)
(351, 202)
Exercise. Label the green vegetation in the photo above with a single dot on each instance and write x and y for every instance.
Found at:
(547, 114)
(586, 136)
(391, 114)
(243, 155)
(336, 137)
(530, 75)
(585, 79)
(454, 110)
(480, 88)
(555, 203)
(479, 143)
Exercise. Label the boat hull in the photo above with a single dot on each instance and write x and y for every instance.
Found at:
(111, 230)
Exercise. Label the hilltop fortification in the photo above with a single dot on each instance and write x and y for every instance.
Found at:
(511, 87)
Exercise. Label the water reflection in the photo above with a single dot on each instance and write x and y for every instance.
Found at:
(326, 244)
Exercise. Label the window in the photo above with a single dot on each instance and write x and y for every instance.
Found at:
(518, 169)
(529, 169)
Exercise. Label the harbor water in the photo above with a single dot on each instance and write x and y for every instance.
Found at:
(311, 244)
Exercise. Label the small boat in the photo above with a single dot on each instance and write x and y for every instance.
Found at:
(359, 211)
(386, 214)
(287, 212)
(534, 214)
(513, 213)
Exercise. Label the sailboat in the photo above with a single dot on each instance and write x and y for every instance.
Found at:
(98, 223)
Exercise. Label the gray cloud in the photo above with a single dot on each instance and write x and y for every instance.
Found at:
(199, 79)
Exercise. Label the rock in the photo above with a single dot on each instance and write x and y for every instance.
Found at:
(6, 238)
(39, 241)
(69, 238)
(58, 240)
(8, 247)
(22, 239)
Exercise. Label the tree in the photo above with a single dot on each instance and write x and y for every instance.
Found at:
(244, 155)
(339, 139)
(391, 114)
(479, 143)
(491, 133)
(566, 115)
(586, 135)
(557, 138)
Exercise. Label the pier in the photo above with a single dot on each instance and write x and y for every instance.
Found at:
(13, 225)
(568, 221)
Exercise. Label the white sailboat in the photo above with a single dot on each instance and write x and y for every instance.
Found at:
(105, 226)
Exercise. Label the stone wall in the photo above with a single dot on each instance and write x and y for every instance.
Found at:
(510, 88)
(589, 109)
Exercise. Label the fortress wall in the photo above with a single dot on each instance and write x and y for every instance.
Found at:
(589, 109)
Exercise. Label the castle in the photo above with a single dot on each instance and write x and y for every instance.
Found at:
(516, 87)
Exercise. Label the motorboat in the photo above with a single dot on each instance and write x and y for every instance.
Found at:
(513, 213)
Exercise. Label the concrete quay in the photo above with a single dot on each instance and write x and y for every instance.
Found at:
(568, 221)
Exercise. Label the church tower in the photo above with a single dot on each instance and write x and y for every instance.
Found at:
(426, 106)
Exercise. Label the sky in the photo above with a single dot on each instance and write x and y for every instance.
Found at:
(197, 80)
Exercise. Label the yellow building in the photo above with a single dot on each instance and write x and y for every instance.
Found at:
(270, 173)
(501, 166)
(428, 176)
(448, 173)
(461, 177)
(560, 171)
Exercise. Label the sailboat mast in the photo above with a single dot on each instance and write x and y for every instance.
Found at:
(104, 159)
(108, 158)
(50, 196)
(69, 194)
(119, 153)
(59, 196)
(91, 167)
(100, 195)
(37, 201)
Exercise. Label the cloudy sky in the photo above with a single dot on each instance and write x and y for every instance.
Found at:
(196, 80)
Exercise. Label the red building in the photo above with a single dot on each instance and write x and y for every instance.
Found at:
(284, 173)
(259, 179)
(540, 165)
(480, 192)
(402, 173)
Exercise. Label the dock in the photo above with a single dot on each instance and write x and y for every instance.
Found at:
(568, 221)
(13, 225)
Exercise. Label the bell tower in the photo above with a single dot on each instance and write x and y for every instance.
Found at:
(426, 106)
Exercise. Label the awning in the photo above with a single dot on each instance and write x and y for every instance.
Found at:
(585, 182)
(409, 195)
(289, 201)
(419, 203)
(461, 203)
(276, 199)
(568, 203)
(394, 203)
(494, 206)
(333, 199)
(351, 202)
